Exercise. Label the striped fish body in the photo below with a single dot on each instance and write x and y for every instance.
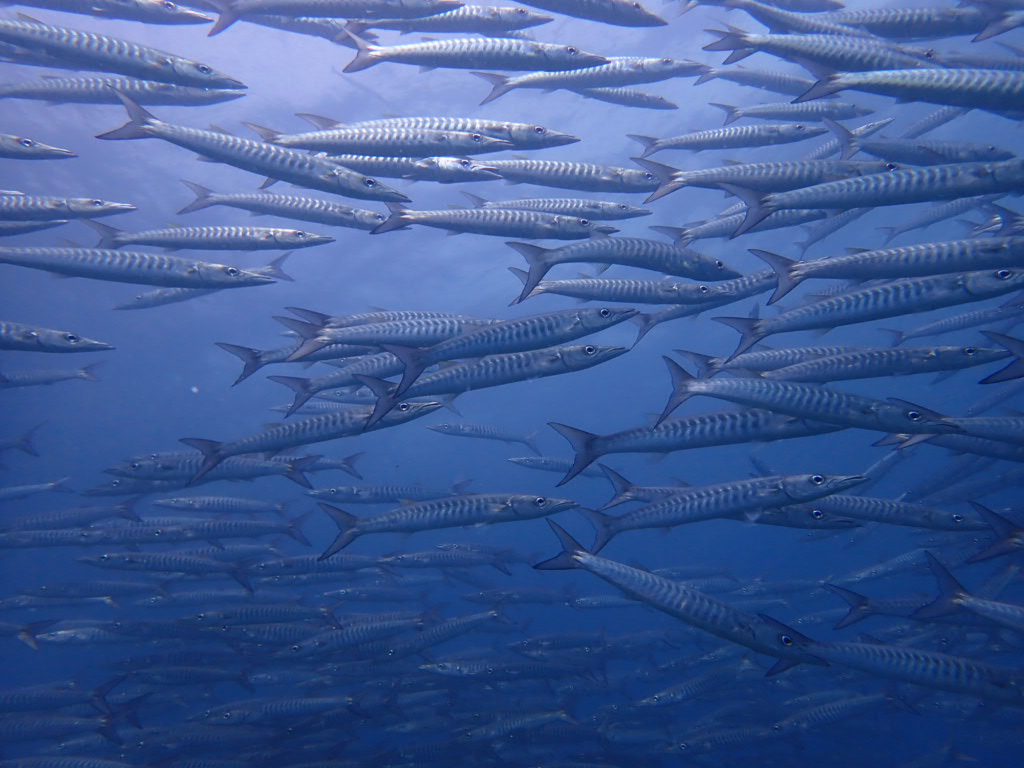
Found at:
(686, 604)
(315, 429)
(990, 89)
(1008, 429)
(767, 360)
(260, 157)
(227, 504)
(163, 562)
(378, 494)
(445, 170)
(836, 110)
(782, 20)
(753, 425)
(832, 223)
(10, 228)
(627, 97)
(767, 80)
(586, 177)
(479, 19)
(21, 208)
(697, 503)
(381, 366)
(498, 369)
(618, 71)
(937, 213)
(31, 338)
(916, 260)
(522, 135)
(896, 298)
(733, 137)
(388, 316)
(477, 53)
(501, 222)
(928, 668)
(915, 23)
(837, 52)
(163, 296)
(916, 152)
(725, 226)
(223, 238)
(934, 119)
(895, 513)
(90, 50)
(959, 322)
(182, 466)
(132, 267)
(631, 290)
(910, 185)
(148, 11)
(809, 401)
(461, 510)
(772, 177)
(392, 141)
(15, 379)
(568, 206)
(102, 90)
(287, 206)
(894, 361)
(414, 332)
(624, 13)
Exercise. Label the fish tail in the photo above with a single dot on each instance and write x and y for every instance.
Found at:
(346, 529)
(499, 85)
(27, 634)
(621, 487)
(847, 141)
(108, 234)
(649, 143)
(681, 380)
(783, 268)
(1005, 532)
(227, 15)
(386, 400)
(349, 464)
(860, 606)
(824, 87)
(757, 208)
(668, 177)
(86, 372)
(732, 114)
(211, 453)
(252, 359)
(273, 269)
(604, 528)
(300, 386)
(365, 55)
(950, 591)
(1015, 347)
(25, 444)
(582, 443)
(412, 359)
(295, 529)
(204, 197)
(705, 368)
(539, 263)
(294, 470)
(138, 125)
(399, 219)
(566, 559)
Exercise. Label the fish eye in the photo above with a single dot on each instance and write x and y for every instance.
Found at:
(226, 715)
(799, 127)
(332, 490)
(465, 163)
(703, 289)
(817, 514)
(134, 465)
(71, 338)
(201, 617)
(115, 484)
(300, 235)
(206, 70)
(403, 406)
(104, 557)
(786, 639)
(380, 217)
(572, 51)
(914, 415)
(929, 53)
(957, 517)
(719, 263)
(623, 207)
(649, 176)
(1004, 274)
(26, 142)
(683, 746)
(970, 351)
(604, 313)
(477, 137)
(540, 130)
(817, 479)
(369, 183)
(521, 11)
(664, 61)
(590, 349)
(295, 649)
(96, 203)
(540, 501)
(891, 166)
(584, 223)
(232, 271)
(169, 6)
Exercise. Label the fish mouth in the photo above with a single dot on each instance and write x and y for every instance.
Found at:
(556, 139)
(842, 483)
(560, 505)
(230, 82)
(606, 229)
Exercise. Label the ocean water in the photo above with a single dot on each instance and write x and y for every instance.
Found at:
(166, 380)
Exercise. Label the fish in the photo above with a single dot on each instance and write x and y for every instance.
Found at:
(469, 509)
(275, 162)
(30, 338)
(15, 206)
(231, 11)
(737, 136)
(618, 12)
(496, 222)
(104, 90)
(43, 378)
(210, 238)
(22, 148)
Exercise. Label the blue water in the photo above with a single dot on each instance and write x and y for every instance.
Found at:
(167, 380)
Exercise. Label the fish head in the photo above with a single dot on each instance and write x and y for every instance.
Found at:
(815, 486)
(66, 341)
(453, 169)
(581, 356)
(538, 137)
(802, 130)
(227, 275)
(22, 146)
(672, 67)
(368, 187)
(90, 207)
(580, 227)
(407, 410)
(518, 18)
(153, 11)
(526, 506)
(701, 267)
(638, 16)
(621, 210)
(297, 238)
(808, 516)
(599, 318)
(200, 74)
(637, 181)
(449, 429)
(992, 282)
(566, 57)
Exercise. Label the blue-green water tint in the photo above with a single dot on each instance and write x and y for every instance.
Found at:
(166, 380)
